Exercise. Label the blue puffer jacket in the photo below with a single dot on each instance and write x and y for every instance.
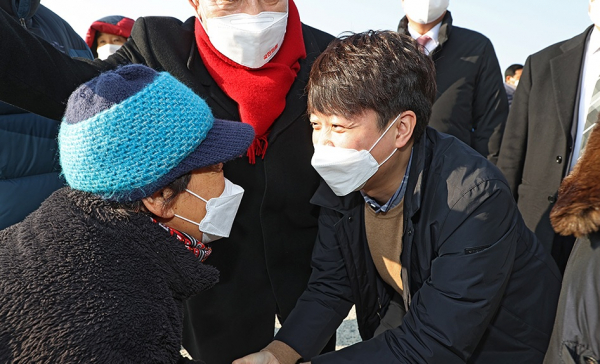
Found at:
(29, 170)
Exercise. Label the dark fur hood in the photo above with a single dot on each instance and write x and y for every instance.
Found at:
(83, 281)
(577, 210)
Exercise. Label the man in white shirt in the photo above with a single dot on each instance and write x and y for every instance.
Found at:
(545, 129)
(471, 103)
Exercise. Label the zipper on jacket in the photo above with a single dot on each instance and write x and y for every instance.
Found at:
(379, 309)
(23, 24)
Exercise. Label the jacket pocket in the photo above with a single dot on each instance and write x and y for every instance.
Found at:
(476, 249)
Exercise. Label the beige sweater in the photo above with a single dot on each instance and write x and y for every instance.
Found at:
(384, 237)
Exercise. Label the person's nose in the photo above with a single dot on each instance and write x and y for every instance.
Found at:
(253, 7)
(322, 137)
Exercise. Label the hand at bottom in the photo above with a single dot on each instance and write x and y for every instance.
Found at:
(263, 357)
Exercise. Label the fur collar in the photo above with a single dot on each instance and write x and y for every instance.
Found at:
(577, 211)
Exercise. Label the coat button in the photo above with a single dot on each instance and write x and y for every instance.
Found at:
(350, 218)
(551, 199)
(558, 159)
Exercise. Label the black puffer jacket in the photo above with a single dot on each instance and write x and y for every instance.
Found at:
(29, 170)
(467, 266)
(83, 282)
(471, 103)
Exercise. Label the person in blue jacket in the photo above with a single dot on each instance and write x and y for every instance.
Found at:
(29, 169)
(416, 228)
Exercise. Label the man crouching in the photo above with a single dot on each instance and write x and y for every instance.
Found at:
(417, 230)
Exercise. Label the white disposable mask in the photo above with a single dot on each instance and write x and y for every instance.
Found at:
(346, 170)
(594, 12)
(249, 40)
(424, 11)
(107, 50)
(220, 213)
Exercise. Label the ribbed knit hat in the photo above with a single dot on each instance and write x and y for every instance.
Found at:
(130, 132)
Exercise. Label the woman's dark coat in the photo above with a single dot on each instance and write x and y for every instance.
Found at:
(265, 263)
(83, 282)
(576, 335)
(481, 289)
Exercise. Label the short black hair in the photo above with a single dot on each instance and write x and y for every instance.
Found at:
(512, 69)
(383, 71)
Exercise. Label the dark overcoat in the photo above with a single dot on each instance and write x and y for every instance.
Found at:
(470, 103)
(539, 136)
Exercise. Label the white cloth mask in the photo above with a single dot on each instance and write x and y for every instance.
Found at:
(347, 170)
(594, 12)
(107, 50)
(249, 40)
(424, 11)
(220, 213)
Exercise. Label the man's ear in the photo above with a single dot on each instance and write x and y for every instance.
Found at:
(156, 203)
(405, 128)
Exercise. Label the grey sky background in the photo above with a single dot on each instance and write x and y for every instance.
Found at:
(516, 28)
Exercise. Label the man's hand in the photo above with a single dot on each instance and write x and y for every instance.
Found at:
(263, 357)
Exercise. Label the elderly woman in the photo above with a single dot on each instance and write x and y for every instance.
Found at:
(250, 60)
(100, 271)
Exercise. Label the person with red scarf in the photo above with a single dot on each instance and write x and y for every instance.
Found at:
(250, 60)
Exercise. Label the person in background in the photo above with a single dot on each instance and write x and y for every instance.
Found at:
(511, 80)
(550, 118)
(250, 61)
(417, 229)
(577, 213)
(108, 34)
(470, 102)
(29, 170)
(99, 273)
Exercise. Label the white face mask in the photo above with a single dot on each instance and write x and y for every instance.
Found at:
(347, 170)
(594, 12)
(424, 11)
(249, 40)
(107, 50)
(220, 213)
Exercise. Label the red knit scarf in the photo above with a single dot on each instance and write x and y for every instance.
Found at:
(260, 93)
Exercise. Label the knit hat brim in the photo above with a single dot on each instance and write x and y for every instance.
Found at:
(226, 140)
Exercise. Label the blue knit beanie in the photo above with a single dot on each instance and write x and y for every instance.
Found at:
(130, 132)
